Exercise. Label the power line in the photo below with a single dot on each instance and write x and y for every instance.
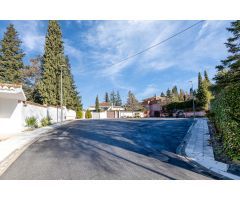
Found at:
(153, 46)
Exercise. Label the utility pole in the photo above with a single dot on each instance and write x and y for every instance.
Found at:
(193, 101)
(61, 97)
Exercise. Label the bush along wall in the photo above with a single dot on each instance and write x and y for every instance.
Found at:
(226, 114)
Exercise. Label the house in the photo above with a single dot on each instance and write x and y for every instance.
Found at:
(154, 106)
(106, 106)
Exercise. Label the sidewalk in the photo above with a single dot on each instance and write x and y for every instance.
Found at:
(199, 150)
(12, 147)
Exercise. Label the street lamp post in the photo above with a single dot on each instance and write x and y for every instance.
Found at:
(61, 97)
(193, 105)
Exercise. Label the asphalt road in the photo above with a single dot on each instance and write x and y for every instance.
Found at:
(108, 149)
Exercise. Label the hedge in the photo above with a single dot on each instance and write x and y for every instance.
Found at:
(226, 113)
(182, 105)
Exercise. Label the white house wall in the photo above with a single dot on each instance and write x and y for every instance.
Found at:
(10, 116)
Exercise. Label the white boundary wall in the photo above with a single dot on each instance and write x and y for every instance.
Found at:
(13, 114)
(99, 115)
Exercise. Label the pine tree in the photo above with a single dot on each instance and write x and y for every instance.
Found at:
(162, 94)
(97, 108)
(53, 61)
(113, 98)
(229, 71)
(11, 57)
(118, 99)
(132, 103)
(106, 98)
(169, 95)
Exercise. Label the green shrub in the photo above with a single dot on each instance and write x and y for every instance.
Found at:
(46, 121)
(79, 114)
(88, 114)
(182, 105)
(31, 122)
(226, 114)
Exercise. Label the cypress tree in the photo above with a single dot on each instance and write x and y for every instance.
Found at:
(202, 92)
(97, 108)
(206, 77)
(11, 57)
(106, 98)
(199, 79)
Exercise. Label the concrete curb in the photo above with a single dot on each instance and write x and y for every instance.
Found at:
(193, 161)
(33, 136)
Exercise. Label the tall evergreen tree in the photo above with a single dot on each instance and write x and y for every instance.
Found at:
(113, 98)
(174, 94)
(97, 108)
(11, 57)
(229, 71)
(202, 92)
(106, 98)
(169, 94)
(118, 99)
(53, 61)
(206, 77)
(162, 94)
(199, 79)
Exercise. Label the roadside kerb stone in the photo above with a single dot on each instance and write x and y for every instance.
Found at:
(197, 148)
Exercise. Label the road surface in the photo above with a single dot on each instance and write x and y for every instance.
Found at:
(108, 149)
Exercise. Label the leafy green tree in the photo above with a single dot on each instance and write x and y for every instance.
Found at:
(11, 57)
(88, 114)
(97, 108)
(118, 99)
(106, 98)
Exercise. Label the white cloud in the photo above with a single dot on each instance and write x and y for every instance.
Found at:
(31, 34)
(150, 90)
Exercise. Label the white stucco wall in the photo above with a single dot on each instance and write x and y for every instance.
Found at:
(125, 114)
(13, 114)
(99, 115)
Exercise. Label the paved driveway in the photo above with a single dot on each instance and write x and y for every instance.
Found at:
(107, 149)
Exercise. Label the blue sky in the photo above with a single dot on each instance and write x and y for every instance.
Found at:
(93, 46)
